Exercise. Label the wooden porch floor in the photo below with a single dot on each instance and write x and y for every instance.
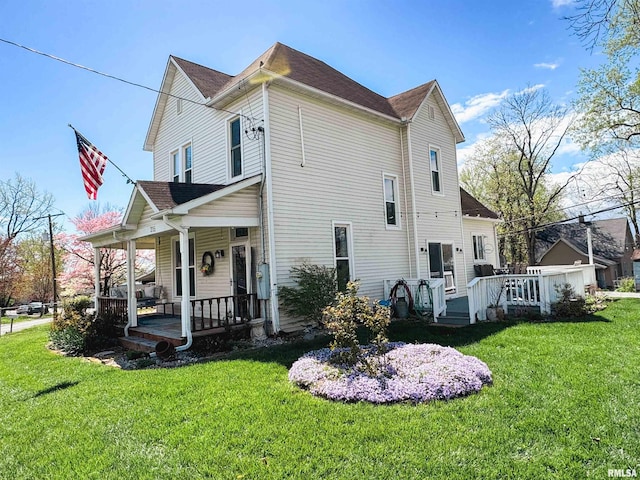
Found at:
(168, 326)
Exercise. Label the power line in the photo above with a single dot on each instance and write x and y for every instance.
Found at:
(545, 225)
(119, 79)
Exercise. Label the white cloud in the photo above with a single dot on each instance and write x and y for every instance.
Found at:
(561, 3)
(550, 66)
(477, 106)
(532, 88)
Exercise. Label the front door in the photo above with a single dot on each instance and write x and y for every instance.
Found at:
(240, 278)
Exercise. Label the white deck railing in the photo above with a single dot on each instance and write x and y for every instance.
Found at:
(529, 290)
(588, 271)
(436, 285)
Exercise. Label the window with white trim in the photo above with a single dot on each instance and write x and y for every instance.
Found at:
(434, 160)
(177, 262)
(343, 254)
(479, 252)
(235, 147)
(391, 201)
(182, 162)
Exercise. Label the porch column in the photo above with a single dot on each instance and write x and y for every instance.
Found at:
(185, 305)
(132, 302)
(97, 258)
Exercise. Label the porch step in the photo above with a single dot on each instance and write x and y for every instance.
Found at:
(138, 344)
(454, 318)
(145, 333)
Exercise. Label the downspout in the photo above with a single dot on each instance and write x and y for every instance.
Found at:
(185, 273)
(406, 209)
(413, 200)
(275, 317)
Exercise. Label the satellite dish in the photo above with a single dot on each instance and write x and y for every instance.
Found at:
(488, 248)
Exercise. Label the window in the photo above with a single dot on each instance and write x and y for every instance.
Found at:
(479, 248)
(182, 161)
(390, 200)
(186, 154)
(239, 233)
(235, 153)
(178, 267)
(175, 157)
(343, 255)
(434, 156)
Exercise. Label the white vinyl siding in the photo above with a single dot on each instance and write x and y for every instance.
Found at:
(207, 129)
(440, 216)
(479, 227)
(307, 198)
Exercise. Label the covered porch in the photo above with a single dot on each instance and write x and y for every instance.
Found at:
(212, 276)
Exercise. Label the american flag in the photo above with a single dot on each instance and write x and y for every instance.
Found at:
(92, 165)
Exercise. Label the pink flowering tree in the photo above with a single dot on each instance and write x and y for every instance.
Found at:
(78, 274)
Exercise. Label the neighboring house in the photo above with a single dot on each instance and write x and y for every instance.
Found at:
(612, 245)
(291, 161)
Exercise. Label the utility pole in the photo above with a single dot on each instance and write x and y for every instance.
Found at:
(53, 269)
(53, 261)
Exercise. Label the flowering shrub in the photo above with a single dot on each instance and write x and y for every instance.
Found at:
(342, 322)
(405, 373)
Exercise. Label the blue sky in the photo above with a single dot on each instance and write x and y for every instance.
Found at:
(478, 52)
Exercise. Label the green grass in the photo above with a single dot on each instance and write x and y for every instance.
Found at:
(565, 403)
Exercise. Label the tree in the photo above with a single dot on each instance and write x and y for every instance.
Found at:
(9, 271)
(22, 206)
(22, 210)
(78, 275)
(531, 129)
(490, 175)
(609, 96)
(36, 281)
(615, 180)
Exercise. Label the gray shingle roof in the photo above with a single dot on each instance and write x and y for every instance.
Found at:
(166, 195)
(286, 61)
(608, 236)
(472, 206)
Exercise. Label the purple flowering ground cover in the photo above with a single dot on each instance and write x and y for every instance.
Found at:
(416, 373)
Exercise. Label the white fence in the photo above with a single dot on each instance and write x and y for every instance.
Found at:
(529, 290)
(436, 286)
(588, 271)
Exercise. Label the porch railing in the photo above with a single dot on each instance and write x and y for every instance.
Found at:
(529, 290)
(209, 313)
(116, 307)
(437, 302)
(206, 313)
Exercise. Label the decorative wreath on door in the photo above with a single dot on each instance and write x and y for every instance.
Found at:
(207, 264)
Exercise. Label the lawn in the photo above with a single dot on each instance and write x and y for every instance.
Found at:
(565, 403)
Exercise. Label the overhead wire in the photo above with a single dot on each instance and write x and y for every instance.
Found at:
(113, 77)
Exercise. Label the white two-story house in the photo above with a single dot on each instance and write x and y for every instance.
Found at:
(291, 161)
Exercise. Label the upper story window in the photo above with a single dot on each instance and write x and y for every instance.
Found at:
(390, 200)
(436, 178)
(188, 164)
(479, 252)
(235, 150)
(182, 162)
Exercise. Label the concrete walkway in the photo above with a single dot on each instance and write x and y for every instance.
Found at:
(622, 294)
(17, 326)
